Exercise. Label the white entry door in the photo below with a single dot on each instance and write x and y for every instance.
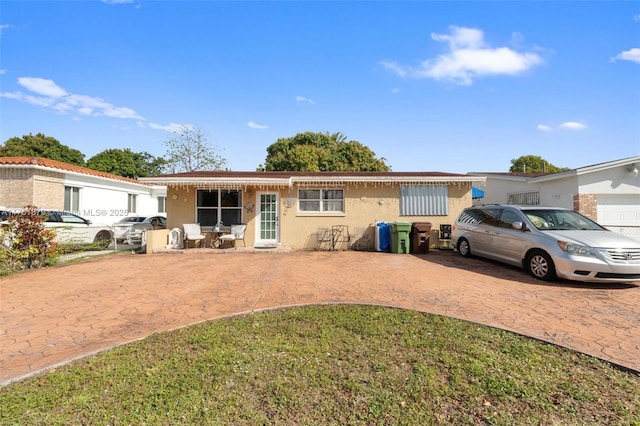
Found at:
(268, 229)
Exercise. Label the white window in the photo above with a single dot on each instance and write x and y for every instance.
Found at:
(162, 204)
(321, 200)
(71, 198)
(424, 200)
(131, 203)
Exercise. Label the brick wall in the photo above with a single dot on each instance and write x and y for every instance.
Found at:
(587, 205)
(48, 190)
(21, 187)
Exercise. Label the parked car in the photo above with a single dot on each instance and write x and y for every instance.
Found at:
(547, 242)
(70, 228)
(131, 228)
(121, 227)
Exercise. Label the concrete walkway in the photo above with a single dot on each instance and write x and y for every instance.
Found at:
(52, 316)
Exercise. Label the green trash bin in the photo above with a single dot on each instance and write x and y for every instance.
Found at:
(400, 237)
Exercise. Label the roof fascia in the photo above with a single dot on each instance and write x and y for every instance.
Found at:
(289, 182)
(589, 169)
(501, 176)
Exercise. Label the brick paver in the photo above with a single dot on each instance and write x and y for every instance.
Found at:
(51, 316)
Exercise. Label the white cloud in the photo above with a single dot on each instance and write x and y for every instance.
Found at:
(42, 86)
(2, 71)
(395, 68)
(636, 18)
(573, 125)
(543, 128)
(632, 55)
(47, 94)
(12, 95)
(303, 99)
(468, 57)
(171, 127)
(253, 125)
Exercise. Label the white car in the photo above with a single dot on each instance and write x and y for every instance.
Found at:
(70, 228)
(548, 242)
(131, 228)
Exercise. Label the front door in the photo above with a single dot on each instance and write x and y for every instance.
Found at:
(267, 231)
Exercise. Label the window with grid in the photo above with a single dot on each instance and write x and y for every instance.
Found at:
(216, 205)
(321, 200)
(424, 200)
(531, 198)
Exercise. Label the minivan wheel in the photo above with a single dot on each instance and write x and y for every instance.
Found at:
(540, 266)
(463, 247)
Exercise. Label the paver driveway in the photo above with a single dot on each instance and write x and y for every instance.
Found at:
(54, 315)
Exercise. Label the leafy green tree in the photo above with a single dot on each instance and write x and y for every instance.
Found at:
(188, 150)
(312, 152)
(43, 146)
(124, 162)
(534, 164)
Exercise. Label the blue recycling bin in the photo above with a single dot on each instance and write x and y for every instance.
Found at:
(383, 236)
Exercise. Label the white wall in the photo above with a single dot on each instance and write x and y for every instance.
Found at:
(498, 188)
(105, 201)
(616, 181)
(558, 192)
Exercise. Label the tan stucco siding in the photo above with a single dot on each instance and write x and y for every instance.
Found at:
(364, 206)
(22, 187)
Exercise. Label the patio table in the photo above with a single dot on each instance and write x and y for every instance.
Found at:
(215, 235)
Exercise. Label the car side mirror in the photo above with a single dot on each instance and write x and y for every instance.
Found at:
(88, 221)
(518, 226)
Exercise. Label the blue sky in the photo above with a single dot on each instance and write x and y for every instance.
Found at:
(430, 86)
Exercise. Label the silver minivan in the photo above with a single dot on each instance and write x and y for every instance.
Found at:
(548, 242)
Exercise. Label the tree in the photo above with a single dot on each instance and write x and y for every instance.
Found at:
(43, 146)
(312, 152)
(124, 162)
(188, 150)
(534, 164)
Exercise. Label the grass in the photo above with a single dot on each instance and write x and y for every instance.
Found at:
(329, 365)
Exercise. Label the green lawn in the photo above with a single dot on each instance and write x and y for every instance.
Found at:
(329, 365)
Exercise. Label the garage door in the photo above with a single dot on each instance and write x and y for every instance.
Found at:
(619, 210)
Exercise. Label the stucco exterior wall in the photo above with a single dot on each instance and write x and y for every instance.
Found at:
(617, 181)
(364, 206)
(496, 190)
(101, 200)
(106, 201)
(558, 192)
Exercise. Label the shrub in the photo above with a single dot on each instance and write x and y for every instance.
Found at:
(25, 242)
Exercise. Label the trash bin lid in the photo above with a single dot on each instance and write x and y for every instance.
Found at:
(422, 226)
(402, 226)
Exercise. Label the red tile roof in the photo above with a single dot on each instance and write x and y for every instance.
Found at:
(59, 165)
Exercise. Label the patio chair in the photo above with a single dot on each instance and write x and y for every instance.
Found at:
(192, 232)
(237, 233)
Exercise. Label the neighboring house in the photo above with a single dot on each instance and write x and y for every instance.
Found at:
(97, 196)
(292, 208)
(608, 193)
